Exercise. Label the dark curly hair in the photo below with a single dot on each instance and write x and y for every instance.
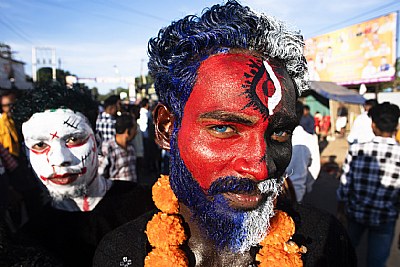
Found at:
(385, 116)
(54, 96)
(176, 53)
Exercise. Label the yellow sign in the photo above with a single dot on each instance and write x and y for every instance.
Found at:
(361, 53)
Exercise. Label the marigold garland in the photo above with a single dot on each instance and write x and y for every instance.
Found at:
(165, 233)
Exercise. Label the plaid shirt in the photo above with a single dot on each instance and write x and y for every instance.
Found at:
(118, 163)
(370, 183)
(105, 125)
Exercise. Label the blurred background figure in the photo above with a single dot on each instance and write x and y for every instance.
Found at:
(137, 142)
(105, 123)
(361, 131)
(305, 163)
(317, 123)
(119, 157)
(341, 120)
(307, 121)
(9, 136)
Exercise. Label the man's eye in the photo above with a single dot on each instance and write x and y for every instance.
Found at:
(222, 131)
(40, 146)
(73, 141)
(281, 136)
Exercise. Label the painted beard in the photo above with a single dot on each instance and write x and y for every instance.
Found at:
(237, 230)
(68, 193)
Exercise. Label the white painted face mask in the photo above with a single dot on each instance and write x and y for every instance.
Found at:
(62, 151)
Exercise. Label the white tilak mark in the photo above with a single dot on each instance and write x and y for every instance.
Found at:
(274, 100)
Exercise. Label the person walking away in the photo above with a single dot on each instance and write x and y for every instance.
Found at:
(369, 188)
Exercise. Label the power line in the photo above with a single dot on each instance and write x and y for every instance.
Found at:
(71, 8)
(132, 10)
(355, 17)
(15, 30)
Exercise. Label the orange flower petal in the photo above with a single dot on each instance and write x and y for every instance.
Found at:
(163, 196)
(165, 230)
(172, 257)
(281, 230)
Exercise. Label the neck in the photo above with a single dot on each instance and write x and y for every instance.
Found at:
(95, 191)
(121, 141)
(386, 134)
(205, 250)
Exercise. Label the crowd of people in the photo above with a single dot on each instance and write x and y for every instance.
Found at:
(235, 150)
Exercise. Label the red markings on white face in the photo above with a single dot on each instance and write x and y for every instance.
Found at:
(62, 144)
(54, 135)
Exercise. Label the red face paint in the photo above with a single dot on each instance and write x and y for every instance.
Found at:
(226, 118)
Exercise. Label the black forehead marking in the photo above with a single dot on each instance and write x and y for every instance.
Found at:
(72, 123)
(252, 79)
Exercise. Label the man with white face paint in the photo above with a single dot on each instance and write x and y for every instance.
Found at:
(57, 125)
(227, 83)
(63, 155)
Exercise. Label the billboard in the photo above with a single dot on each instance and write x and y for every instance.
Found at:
(361, 53)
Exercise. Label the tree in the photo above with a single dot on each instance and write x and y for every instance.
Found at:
(45, 75)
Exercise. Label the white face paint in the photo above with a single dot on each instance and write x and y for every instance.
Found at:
(274, 100)
(62, 151)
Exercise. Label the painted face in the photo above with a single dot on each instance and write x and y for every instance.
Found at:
(62, 149)
(237, 122)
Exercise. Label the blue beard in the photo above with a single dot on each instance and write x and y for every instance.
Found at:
(222, 224)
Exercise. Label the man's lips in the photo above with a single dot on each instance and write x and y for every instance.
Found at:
(64, 179)
(245, 201)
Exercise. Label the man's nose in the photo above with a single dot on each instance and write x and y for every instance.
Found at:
(250, 162)
(59, 155)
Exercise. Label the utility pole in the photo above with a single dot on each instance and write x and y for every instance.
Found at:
(39, 53)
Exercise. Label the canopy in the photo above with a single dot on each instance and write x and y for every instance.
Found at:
(336, 92)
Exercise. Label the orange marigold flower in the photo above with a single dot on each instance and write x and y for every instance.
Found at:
(172, 257)
(163, 196)
(291, 247)
(281, 230)
(274, 256)
(165, 230)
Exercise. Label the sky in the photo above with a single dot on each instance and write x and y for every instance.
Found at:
(100, 38)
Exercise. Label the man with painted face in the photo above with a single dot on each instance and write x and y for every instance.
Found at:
(228, 82)
(57, 125)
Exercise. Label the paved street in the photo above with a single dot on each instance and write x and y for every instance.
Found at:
(323, 195)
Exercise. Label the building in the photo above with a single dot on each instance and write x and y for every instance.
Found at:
(12, 73)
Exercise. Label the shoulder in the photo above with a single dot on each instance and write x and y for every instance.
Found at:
(129, 196)
(323, 235)
(126, 243)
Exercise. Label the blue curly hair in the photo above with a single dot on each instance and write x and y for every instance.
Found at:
(176, 53)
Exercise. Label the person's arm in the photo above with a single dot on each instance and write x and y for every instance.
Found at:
(343, 189)
(104, 161)
(298, 169)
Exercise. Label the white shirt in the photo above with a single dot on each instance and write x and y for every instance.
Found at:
(361, 131)
(305, 163)
(143, 121)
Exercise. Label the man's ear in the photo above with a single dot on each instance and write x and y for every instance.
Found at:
(164, 123)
